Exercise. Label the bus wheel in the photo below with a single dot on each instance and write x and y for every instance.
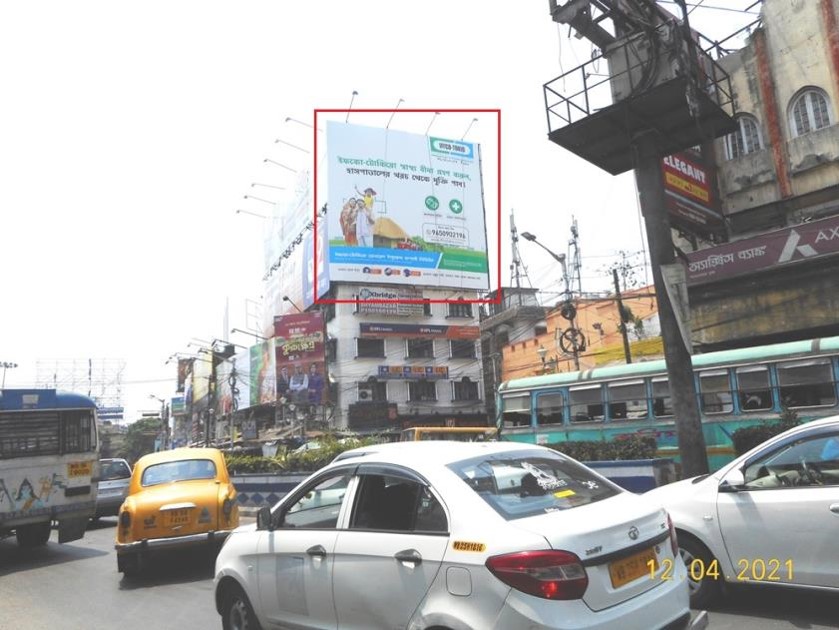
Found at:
(35, 535)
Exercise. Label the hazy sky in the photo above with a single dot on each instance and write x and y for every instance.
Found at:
(130, 132)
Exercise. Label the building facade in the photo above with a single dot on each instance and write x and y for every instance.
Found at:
(395, 365)
(778, 180)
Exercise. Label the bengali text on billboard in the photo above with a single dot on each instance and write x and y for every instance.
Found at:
(405, 209)
(301, 374)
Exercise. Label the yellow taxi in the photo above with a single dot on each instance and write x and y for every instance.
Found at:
(176, 498)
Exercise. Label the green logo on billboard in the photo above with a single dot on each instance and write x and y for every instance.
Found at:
(455, 206)
(431, 202)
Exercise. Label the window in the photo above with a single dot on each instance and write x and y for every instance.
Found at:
(318, 505)
(367, 348)
(515, 410)
(465, 389)
(420, 348)
(812, 461)
(460, 309)
(78, 431)
(753, 388)
(715, 392)
(527, 483)
(540, 329)
(419, 391)
(662, 402)
(27, 433)
(426, 308)
(462, 349)
(180, 470)
(549, 409)
(627, 400)
(116, 469)
(331, 349)
(372, 390)
(586, 404)
(396, 504)
(806, 383)
(745, 140)
(810, 111)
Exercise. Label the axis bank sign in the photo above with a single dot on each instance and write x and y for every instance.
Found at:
(767, 251)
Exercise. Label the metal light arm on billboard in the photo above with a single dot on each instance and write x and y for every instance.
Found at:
(260, 199)
(349, 109)
(300, 122)
(390, 120)
(247, 332)
(267, 186)
(7, 365)
(289, 144)
(433, 118)
(253, 214)
(474, 120)
(275, 163)
(289, 300)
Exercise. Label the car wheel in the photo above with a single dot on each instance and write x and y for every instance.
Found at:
(35, 535)
(237, 613)
(707, 589)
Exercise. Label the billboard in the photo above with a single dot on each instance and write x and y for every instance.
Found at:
(689, 193)
(202, 372)
(224, 389)
(242, 391)
(301, 374)
(263, 374)
(418, 331)
(405, 209)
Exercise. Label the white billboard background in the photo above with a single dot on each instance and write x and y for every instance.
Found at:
(423, 196)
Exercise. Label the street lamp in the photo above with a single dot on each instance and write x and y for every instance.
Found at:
(164, 421)
(6, 365)
(571, 312)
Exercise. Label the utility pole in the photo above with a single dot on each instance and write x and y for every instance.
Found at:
(626, 351)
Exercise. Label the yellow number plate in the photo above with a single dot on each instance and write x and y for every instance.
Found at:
(79, 469)
(177, 517)
(631, 568)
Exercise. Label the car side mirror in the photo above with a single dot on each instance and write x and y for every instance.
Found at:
(734, 481)
(264, 520)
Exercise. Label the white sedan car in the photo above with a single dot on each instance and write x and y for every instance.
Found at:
(769, 517)
(453, 535)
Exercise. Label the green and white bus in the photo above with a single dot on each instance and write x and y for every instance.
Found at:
(736, 388)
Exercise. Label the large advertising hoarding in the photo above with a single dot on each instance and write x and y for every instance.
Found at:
(301, 374)
(202, 372)
(224, 389)
(405, 209)
(263, 374)
(242, 392)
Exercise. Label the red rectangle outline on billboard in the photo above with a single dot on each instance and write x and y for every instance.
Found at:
(316, 214)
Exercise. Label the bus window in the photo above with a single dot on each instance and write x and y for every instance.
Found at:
(516, 410)
(806, 383)
(549, 409)
(662, 402)
(627, 400)
(753, 388)
(586, 404)
(715, 389)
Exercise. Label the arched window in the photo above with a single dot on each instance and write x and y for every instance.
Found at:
(745, 140)
(810, 111)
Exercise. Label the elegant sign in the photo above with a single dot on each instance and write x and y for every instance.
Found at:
(376, 331)
(689, 194)
(406, 208)
(767, 251)
(413, 372)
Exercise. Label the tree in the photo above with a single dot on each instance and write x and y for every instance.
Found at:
(139, 439)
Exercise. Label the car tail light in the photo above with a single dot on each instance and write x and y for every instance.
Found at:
(125, 519)
(546, 574)
(674, 541)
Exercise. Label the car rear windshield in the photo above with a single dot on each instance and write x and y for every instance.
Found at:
(184, 470)
(531, 482)
(115, 469)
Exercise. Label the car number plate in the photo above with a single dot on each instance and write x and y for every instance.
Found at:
(631, 568)
(177, 517)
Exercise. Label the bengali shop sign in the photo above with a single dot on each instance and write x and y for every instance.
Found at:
(689, 194)
(767, 251)
(413, 372)
(377, 331)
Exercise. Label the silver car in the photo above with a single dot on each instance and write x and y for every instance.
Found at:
(453, 535)
(115, 475)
